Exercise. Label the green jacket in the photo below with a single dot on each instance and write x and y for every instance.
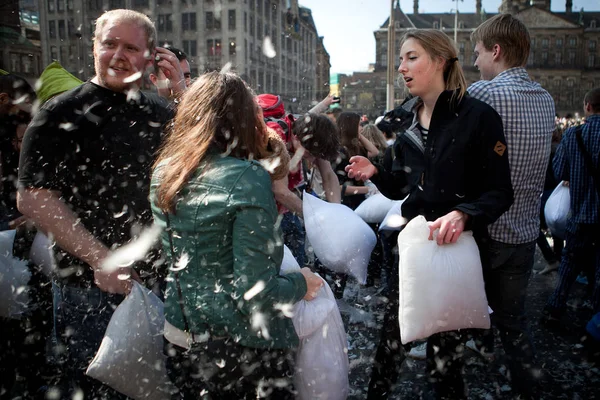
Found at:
(225, 222)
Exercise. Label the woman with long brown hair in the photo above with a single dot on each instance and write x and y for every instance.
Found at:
(226, 333)
(450, 159)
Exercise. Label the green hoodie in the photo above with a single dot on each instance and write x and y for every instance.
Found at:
(55, 80)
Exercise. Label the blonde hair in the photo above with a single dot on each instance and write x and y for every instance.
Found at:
(217, 112)
(374, 135)
(438, 45)
(508, 32)
(128, 16)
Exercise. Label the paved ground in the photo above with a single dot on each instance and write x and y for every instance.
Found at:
(568, 377)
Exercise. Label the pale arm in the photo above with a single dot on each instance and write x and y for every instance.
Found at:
(54, 217)
(370, 147)
(331, 184)
(322, 106)
(286, 197)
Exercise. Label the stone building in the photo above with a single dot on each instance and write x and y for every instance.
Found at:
(212, 33)
(564, 58)
(20, 51)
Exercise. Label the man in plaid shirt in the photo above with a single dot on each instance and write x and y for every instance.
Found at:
(583, 226)
(527, 110)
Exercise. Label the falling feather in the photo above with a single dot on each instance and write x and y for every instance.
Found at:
(133, 251)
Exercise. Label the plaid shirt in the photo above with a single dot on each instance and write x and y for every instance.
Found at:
(569, 166)
(527, 112)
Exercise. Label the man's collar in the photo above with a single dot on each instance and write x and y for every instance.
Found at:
(515, 71)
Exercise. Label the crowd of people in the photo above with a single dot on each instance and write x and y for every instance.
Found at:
(222, 171)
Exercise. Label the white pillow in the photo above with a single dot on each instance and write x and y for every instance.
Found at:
(394, 220)
(557, 210)
(341, 240)
(441, 287)
(374, 209)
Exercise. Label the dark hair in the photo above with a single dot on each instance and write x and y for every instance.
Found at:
(593, 99)
(318, 134)
(348, 125)
(16, 87)
(178, 53)
(218, 111)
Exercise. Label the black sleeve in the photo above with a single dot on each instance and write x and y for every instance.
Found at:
(42, 162)
(391, 177)
(494, 185)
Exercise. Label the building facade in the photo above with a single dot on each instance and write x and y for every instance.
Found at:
(273, 44)
(20, 51)
(564, 58)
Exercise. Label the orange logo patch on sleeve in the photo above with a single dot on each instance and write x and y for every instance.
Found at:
(500, 148)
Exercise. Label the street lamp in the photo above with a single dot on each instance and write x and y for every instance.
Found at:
(390, 59)
(456, 22)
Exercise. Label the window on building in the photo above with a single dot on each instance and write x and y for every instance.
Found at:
(64, 57)
(592, 45)
(15, 62)
(461, 25)
(94, 5)
(60, 5)
(141, 3)
(112, 4)
(543, 83)
(593, 23)
(190, 48)
(245, 21)
(544, 57)
(591, 60)
(559, 43)
(232, 47)
(259, 6)
(558, 59)
(545, 42)
(557, 83)
(53, 53)
(27, 63)
(531, 58)
(259, 28)
(70, 5)
(52, 29)
(188, 21)
(436, 25)
(573, 42)
(213, 47)
(231, 18)
(532, 42)
(165, 23)
(251, 26)
(72, 53)
(572, 57)
(212, 22)
(62, 32)
(51, 6)
(461, 58)
(570, 83)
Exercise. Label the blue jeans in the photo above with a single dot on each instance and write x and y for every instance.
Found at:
(293, 236)
(81, 316)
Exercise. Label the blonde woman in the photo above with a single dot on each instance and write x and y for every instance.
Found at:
(450, 158)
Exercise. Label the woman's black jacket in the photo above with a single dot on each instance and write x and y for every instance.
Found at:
(462, 166)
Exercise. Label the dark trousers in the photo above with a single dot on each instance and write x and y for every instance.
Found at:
(225, 370)
(551, 254)
(294, 237)
(582, 251)
(81, 317)
(390, 353)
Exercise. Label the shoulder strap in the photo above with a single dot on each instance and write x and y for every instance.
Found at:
(176, 273)
(587, 159)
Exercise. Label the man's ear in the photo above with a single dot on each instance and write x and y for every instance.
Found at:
(587, 107)
(497, 52)
(153, 78)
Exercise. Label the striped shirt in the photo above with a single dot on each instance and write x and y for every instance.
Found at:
(569, 166)
(527, 112)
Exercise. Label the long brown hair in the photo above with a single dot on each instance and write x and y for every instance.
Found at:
(375, 136)
(218, 111)
(348, 125)
(438, 45)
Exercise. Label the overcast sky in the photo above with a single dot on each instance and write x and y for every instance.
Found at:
(348, 25)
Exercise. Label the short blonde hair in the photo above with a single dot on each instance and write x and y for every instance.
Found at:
(438, 45)
(128, 16)
(508, 32)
